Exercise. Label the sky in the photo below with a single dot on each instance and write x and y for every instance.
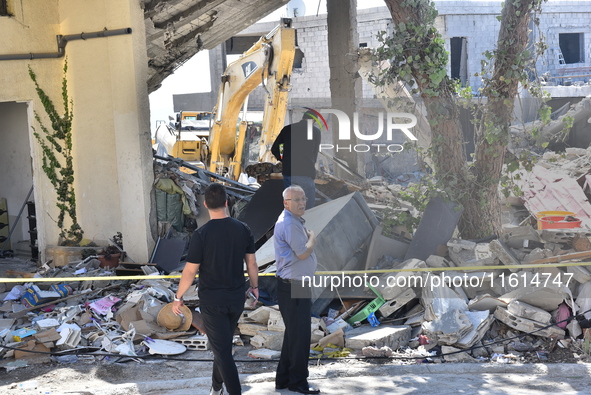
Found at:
(193, 76)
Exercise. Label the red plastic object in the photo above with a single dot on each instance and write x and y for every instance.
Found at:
(560, 222)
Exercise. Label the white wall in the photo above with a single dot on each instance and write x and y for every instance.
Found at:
(16, 176)
(111, 136)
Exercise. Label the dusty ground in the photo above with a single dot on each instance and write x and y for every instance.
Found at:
(89, 374)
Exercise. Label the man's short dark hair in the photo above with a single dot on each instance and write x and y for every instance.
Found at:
(215, 196)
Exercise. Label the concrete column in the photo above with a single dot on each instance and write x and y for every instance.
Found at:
(345, 84)
(217, 66)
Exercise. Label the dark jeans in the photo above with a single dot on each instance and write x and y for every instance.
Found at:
(307, 184)
(220, 323)
(293, 363)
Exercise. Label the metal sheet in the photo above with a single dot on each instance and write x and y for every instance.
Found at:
(436, 227)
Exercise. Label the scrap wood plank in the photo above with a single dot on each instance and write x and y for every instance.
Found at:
(562, 258)
(19, 274)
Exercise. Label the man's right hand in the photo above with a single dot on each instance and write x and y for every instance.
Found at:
(311, 239)
(176, 307)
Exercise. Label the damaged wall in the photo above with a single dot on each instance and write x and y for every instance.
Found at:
(111, 138)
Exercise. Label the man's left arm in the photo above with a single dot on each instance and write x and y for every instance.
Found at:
(189, 273)
(253, 273)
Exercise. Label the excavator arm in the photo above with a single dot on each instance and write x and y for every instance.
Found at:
(268, 61)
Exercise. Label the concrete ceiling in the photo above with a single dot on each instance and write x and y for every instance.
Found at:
(178, 29)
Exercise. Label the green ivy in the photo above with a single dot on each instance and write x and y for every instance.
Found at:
(57, 160)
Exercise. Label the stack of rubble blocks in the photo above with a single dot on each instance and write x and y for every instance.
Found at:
(455, 309)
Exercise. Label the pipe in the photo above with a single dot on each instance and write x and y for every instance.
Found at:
(63, 40)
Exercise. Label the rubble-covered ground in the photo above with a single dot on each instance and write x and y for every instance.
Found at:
(522, 297)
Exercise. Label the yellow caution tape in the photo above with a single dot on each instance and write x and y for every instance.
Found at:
(420, 269)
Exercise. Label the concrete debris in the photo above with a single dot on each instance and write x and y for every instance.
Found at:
(522, 309)
(468, 253)
(449, 328)
(452, 354)
(526, 325)
(267, 339)
(440, 300)
(393, 305)
(445, 298)
(264, 353)
(503, 252)
(394, 337)
(392, 285)
(481, 322)
(372, 351)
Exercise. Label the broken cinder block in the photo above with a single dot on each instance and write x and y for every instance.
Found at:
(268, 339)
(261, 315)
(251, 329)
(393, 305)
(524, 310)
(525, 325)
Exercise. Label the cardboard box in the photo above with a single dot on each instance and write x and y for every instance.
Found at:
(30, 356)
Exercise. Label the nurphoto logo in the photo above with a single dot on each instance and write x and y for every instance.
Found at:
(345, 130)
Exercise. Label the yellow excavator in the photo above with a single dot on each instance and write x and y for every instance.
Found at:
(269, 61)
(185, 136)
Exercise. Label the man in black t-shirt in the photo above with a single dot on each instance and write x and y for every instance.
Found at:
(298, 156)
(218, 251)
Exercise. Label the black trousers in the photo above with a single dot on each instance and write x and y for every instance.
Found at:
(296, 311)
(220, 323)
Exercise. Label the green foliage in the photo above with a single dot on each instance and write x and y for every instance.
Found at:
(418, 59)
(416, 51)
(57, 161)
(417, 195)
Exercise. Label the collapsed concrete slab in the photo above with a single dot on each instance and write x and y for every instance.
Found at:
(389, 336)
(381, 245)
(580, 273)
(251, 329)
(261, 315)
(486, 303)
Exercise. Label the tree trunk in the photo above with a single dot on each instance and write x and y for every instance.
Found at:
(477, 187)
(482, 215)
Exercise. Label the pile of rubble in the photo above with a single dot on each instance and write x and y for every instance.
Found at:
(515, 297)
(89, 312)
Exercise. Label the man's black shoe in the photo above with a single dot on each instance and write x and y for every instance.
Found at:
(305, 390)
(280, 386)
